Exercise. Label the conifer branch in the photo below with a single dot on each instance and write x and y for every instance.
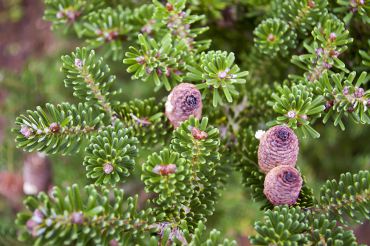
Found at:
(60, 129)
(89, 79)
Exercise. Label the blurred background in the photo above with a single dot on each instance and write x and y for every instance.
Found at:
(30, 76)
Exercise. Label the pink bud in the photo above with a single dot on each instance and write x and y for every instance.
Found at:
(78, 63)
(108, 168)
(169, 7)
(332, 36)
(319, 51)
(282, 185)
(60, 14)
(165, 170)
(278, 146)
(345, 90)
(222, 74)
(26, 131)
(198, 134)
(140, 60)
(291, 114)
(54, 127)
(271, 37)
(359, 92)
(77, 218)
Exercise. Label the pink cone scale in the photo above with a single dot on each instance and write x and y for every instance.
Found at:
(184, 100)
(282, 185)
(278, 146)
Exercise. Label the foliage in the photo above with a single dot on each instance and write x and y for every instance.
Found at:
(60, 129)
(273, 36)
(219, 75)
(271, 63)
(110, 155)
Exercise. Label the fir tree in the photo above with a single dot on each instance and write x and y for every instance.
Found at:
(300, 72)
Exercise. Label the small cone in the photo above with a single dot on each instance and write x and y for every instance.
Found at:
(183, 101)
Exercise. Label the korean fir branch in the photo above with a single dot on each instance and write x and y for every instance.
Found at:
(198, 142)
(297, 107)
(58, 129)
(75, 217)
(278, 35)
(294, 226)
(179, 20)
(110, 28)
(102, 217)
(168, 175)
(110, 154)
(186, 177)
(273, 37)
(353, 9)
(147, 120)
(160, 62)
(217, 75)
(346, 200)
(66, 13)
(345, 97)
(341, 203)
(330, 41)
(163, 55)
(301, 15)
(90, 80)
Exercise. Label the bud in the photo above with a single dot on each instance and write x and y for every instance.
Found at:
(78, 63)
(183, 101)
(350, 109)
(77, 218)
(37, 174)
(311, 4)
(334, 53)
(113, 242)
(271, 37)
(319, 51)
(359, 92)
(291, 114)
(140, 60)
(169, 7)
(165, 170)
(332, 36)
(108, 168)
(327, 65)
(282, 185)
(26, 131)
(60, 14)
(32, 224)
(278, 146)
(54, 127)
(198, 134)
(345, 90)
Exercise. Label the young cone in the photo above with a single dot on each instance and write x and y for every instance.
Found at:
(278, 146)
(183, 101)
(282, 185)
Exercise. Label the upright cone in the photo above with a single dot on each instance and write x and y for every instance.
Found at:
(278, 146)
(183, 101)
(282, 185)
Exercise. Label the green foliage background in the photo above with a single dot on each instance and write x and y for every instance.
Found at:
(231, 26)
